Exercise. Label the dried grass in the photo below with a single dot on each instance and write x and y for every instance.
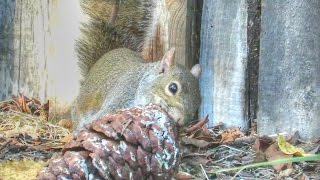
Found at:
(15, 123)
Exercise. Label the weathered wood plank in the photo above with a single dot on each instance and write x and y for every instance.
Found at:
(174, 25)
(223, 60)
(29, 60)
(39, 59)
(289, 76)
(7, 11)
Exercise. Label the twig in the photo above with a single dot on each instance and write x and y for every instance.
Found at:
(6, 101)
(198, 154)
(232, 148)
(198, 125)
(222, 159)
(238, 150)
(234, 177)
(204, 172)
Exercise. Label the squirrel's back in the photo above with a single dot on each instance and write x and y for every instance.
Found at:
(109, 74)
(107, 86)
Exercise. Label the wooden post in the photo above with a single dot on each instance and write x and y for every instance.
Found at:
(38, 58)
(223, 59)
(289, 76)
(7, 11)
(174, 25)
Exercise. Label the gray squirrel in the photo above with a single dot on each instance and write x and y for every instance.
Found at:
(116, 78)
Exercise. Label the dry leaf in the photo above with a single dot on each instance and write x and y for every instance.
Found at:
(36, 142)
(229, 135)
(24, 104)
(198, 134)
(262, 143)
(66, 123)
(67, 138)
(21, 102)
(260, 156)
(205, 134)
(183, 176)
(195, 142)
(199, 125)
(273, 153)
(287, 148)
(45, 106)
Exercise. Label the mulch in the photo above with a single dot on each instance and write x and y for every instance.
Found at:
(26, 132)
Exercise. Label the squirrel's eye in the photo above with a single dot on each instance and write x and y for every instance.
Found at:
(173, 88)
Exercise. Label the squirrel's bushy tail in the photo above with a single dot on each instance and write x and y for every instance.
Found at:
(111, 24)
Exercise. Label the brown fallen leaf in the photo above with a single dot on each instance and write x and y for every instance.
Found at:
(229, 135)
(70, 143)
(21, 101)
(66, 123)
(195, 142)
(67, 138)
(36, 101)
(198, 132)
(199, 125)
(183, 176)
(262, 143)
(26, 105)
(53, 147)
(3, 105)
(36, 142)
(45, 106)
(9, 106)
(260, 156)
(40, 110)
(205, 134)
(273, 153)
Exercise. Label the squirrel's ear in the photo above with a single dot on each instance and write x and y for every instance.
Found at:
(196, 70)
(168, 60)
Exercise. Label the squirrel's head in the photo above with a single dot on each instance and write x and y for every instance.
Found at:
(173, 87)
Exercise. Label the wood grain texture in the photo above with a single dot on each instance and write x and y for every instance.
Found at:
(7, 11)
(39, 59)
(223, 59)
(173, 26)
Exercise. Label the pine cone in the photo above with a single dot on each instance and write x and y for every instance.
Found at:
(137, 143)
